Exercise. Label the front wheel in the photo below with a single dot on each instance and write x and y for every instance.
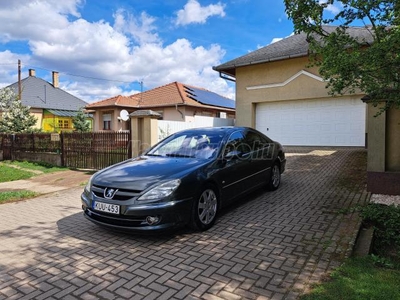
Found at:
(204, 212)
(275, 178)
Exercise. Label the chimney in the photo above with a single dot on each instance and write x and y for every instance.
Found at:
(32, 72)
(55, 79)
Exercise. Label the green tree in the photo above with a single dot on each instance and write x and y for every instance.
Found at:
(350, 62)
(15, 117)
(80, 122)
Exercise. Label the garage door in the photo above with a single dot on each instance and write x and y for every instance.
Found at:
(332, 122)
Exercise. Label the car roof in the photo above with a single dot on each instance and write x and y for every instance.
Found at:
(222, 129)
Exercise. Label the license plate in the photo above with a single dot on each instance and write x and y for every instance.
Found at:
(106, 207)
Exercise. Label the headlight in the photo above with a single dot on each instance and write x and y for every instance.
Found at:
(161, 191)
(88, 186)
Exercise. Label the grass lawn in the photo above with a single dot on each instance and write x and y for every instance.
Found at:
(11, 174)
(35, 166)
(359, 279)
(11, 196)
(16, 170)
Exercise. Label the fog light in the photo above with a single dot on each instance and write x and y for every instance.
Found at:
(151, 220)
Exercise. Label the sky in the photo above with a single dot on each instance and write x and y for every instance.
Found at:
(104, 48)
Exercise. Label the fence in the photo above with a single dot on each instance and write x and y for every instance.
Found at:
(165, 128)
(93, 150)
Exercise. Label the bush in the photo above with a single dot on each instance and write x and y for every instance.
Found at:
(386, 222)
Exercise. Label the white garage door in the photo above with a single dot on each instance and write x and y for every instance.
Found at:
(332, 122)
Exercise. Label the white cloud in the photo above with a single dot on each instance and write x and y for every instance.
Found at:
(129, 50)
(193, 12)
(274, 40)
(23, 20)
(334, 9)
(9, 67)
(141, 29)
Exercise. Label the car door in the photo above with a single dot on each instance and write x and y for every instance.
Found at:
(234, 169)
(259, 158)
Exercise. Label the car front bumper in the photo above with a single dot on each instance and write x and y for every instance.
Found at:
(135, 218)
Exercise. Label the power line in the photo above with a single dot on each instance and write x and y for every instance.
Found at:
(82, 76)
(74, 75)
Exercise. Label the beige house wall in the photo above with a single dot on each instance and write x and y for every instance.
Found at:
(376, 139)
(179, 113)
(116, 123)
(172, 113)
(393, 140)
(276, 81)
(383, 176)
(38, 114)
(383, 139)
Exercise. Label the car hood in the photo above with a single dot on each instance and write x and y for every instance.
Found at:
(142, 172)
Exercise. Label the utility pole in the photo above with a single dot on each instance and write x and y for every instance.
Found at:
(19, 80)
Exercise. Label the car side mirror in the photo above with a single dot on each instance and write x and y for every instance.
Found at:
(232, 155)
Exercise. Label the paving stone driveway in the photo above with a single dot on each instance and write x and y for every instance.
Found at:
(271, 245)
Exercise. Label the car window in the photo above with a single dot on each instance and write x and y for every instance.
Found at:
(234, 145)
(188, 145)
(256, 141)
(169, 146)
(259, 145)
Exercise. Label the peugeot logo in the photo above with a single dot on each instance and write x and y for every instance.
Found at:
(109, 193)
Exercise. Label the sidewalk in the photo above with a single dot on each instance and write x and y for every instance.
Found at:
(49, 183)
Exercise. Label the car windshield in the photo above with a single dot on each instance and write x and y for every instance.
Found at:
(191, 145)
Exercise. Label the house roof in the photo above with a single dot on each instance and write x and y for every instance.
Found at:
(171, 94)
(39, 93)
(291, 47)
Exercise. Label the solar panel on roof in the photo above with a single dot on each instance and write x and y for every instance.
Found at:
(209, 98)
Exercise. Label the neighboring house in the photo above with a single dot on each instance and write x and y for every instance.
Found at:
(53, 107)
(279, 95)
(174, 102)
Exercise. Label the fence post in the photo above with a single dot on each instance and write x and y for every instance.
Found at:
(62, 148)
(33, 141)
(144, 130)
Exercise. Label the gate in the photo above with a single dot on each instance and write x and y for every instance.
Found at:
(94, 150)
(6, 145)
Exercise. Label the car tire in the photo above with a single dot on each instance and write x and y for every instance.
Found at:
(205, 208)
(275, 177)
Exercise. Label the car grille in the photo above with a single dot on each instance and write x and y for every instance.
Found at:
(121, 194)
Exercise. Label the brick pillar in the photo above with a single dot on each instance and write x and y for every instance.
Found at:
(144, 130)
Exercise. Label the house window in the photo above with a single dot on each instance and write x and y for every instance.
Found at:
(63, 124)
(106, 121)
(221, 115)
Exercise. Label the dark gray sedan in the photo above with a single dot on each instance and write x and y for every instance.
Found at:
(183, 180)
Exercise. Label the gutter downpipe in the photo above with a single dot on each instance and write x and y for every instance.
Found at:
(225, 77)
(182, 115)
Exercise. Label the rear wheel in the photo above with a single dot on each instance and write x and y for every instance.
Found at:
(275, 178)
(204, 212)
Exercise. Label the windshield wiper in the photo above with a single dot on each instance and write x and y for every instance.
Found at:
(178, 155)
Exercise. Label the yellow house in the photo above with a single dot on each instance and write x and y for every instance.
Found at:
(53, 107)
